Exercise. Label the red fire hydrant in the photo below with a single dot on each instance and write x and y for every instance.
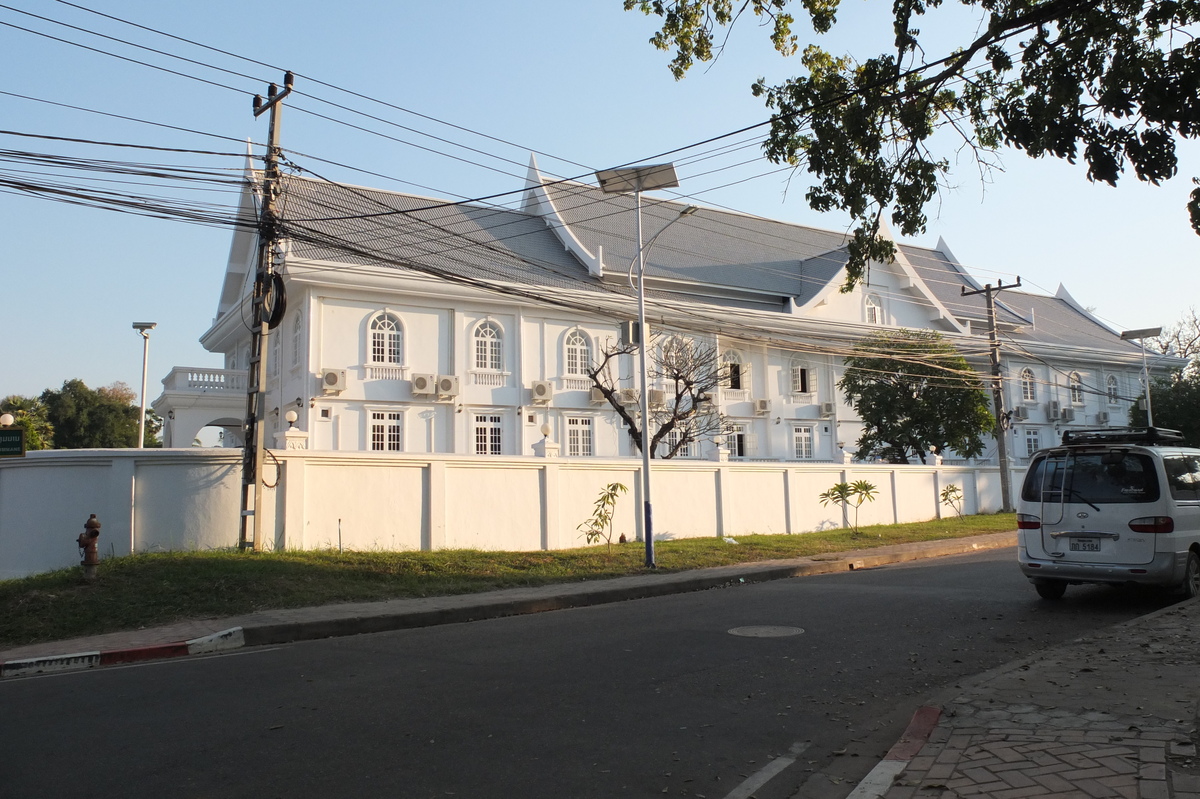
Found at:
(89, 545)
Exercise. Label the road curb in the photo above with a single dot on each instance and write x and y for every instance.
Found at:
(571, 595)
(225, 640)
(590, 594)
(910, 744)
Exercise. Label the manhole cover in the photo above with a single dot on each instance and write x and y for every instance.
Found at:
(765, 632)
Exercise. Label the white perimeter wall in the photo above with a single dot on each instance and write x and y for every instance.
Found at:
(155, 500)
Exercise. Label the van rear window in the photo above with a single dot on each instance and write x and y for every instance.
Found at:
(1096, 477)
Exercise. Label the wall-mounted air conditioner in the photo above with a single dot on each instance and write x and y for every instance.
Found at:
(658, 398)
(596, 395)
(762, 406)
(424, 385)
(1068, 414)
(1102, 417)
(1053, 410)
(541, 391)
(828, 408)
(1020, 413)
(447, 385)
(333, 380)
(627, 396)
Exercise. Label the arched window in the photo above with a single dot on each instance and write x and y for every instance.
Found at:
(1028, 386)
(734, 369)
(578, 353)
(1076, 386)
(489, 347)
(874, 311)
(1113, 393)
(386, 339)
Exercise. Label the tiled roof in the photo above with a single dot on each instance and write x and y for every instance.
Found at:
(706, 253)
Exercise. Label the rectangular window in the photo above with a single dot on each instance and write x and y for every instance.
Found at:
(1032, 441)
(802, 439)
(800, 383)
(736, 441)
(487, 435)
(385, 431)
(579, 437)
(688, 450)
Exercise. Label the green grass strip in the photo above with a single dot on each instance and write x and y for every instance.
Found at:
(152, 589)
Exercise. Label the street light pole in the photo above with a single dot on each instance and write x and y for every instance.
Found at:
(635, 180)
(144, 329)
(1140, 336)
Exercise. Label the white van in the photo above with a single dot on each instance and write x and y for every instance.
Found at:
(1116, 505)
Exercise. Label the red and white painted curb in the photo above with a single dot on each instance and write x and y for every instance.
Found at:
(216, 642)
(877, 783)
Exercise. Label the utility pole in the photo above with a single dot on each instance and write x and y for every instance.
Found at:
(267, 302)
(997, 386)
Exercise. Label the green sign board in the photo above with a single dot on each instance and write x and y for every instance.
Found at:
(12, 442)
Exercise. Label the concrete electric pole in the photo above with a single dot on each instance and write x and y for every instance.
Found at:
(267, 305)
(997, 386)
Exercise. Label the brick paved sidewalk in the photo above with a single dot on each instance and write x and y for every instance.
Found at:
(1110, 715)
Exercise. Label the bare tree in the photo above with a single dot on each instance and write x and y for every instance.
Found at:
(682, 411)
(1181, 339)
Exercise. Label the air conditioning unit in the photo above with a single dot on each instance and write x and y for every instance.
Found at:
(1053, 410)
(658, 398)
(424, 385)
(762, 406)
(596, 395)
(333, 380)
(1020, 413)
(1102, 417)
(828, 408)
(1068, 414)
(447, 385)
(627, 396)
(541, 391)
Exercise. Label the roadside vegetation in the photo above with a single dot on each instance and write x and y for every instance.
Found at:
(144, 590)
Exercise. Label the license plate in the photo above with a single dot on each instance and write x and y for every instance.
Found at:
(1085, 544)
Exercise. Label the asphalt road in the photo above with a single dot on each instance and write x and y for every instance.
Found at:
(645, 698)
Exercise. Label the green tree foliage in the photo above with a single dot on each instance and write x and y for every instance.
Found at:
(915, 394)
(1175, 401)
(85, 418)
(1115, 82)
(30, 413)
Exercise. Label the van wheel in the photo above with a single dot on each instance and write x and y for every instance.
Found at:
(1054, 589)
(1190, 587)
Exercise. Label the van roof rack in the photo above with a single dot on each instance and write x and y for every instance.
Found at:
(1123, 435)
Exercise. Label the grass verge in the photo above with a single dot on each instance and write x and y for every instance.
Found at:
(145, 590)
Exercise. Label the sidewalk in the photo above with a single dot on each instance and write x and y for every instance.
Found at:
(298, 624)
(1109, 715)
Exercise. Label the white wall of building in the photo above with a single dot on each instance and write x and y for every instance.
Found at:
(156, 500)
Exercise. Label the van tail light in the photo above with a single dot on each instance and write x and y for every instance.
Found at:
(1027, 521)
(1153, 524)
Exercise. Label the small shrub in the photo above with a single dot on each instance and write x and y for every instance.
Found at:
(600, 525)
(847, 495)
(952, 496)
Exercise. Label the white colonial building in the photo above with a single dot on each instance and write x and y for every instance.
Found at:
(424, 326)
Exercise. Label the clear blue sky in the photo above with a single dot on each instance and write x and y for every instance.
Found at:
(575, 80)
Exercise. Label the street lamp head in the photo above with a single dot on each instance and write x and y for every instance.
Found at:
(691, 209)
(7, 419)
(1145, 332)
(144, 327)
(545, 430)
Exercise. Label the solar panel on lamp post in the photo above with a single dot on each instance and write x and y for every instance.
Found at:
(635, 180)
